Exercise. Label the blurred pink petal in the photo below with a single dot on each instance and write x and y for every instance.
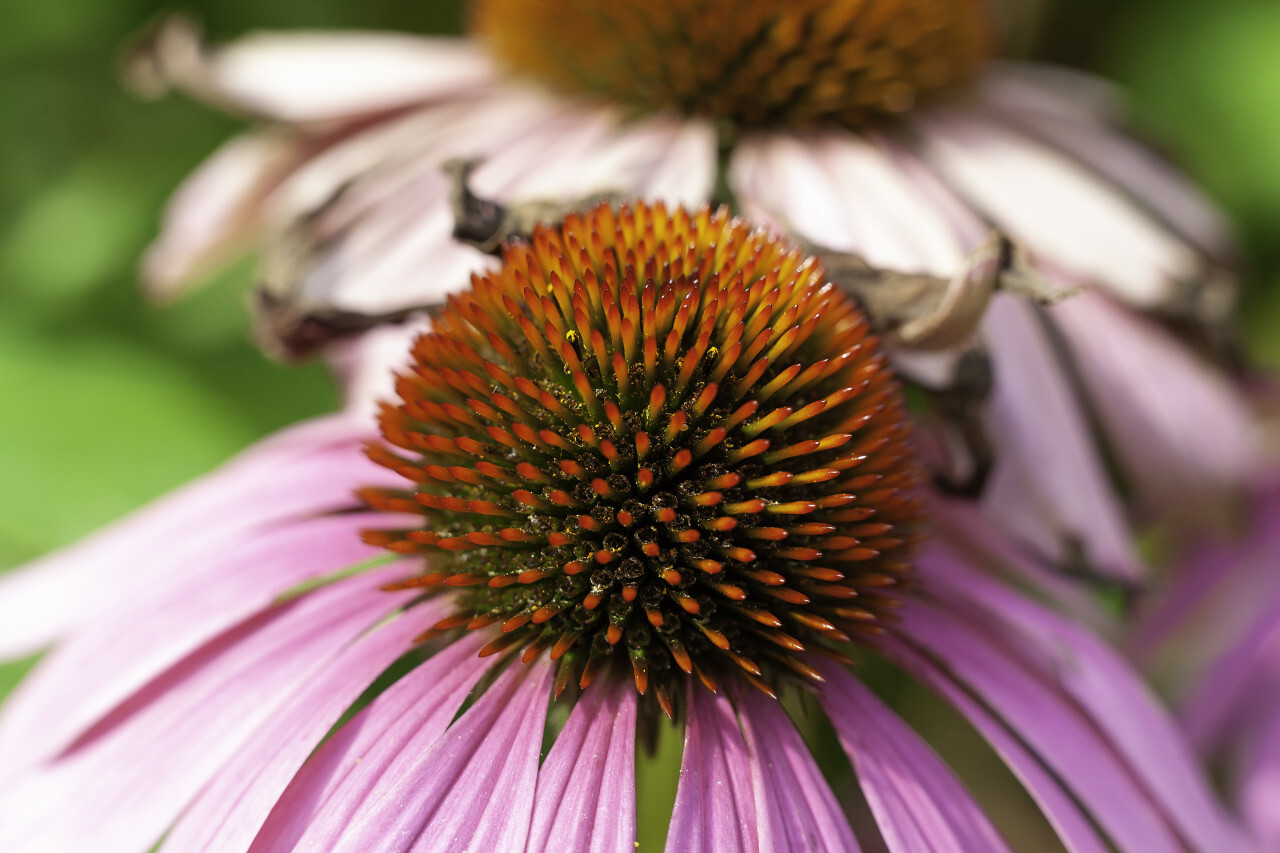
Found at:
(1181, 430)
(1049, 485)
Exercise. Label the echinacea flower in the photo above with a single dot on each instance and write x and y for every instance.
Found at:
(653, 463)
(867, 127)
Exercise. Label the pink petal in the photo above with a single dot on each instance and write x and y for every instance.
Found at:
(473, 788)
(794, 804)
(304, 470)
(125, 781)
(229, 812)
(1071, 825)
(586, 794)
(1182, 432)
(1075, 702)
(115, 655)
(347, 770)
(1049, 486)
(715, 805)
(1057, 208)
(918, 804)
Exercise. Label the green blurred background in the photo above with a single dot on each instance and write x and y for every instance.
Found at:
(109, 401)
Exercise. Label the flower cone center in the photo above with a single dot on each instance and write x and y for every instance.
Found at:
(797, 63)
(659, 438)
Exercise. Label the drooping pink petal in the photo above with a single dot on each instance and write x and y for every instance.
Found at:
(1181, 431)
(473, 788)
(116, 654)
(715, 805)
(1064, 815)
(1058, 209)
(1075, 702)
(1049, 485)
(795, 806)
(404, 720)
(917, 802)
(125, 781)
(311, 77)
(304, 470)
(841, 192)
(229, 812)
(586, 794)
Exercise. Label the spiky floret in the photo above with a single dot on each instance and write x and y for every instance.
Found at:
(658, 435)
(755, 62)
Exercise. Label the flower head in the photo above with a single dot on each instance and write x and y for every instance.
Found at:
(657, 433)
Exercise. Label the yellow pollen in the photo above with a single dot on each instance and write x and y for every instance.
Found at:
(755, 62)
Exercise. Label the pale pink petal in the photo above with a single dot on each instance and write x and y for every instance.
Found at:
(1073, 828)
(917, 802)
(794, 804)
(715, 809)
(304, 470)
(313, 76)
(346, 771)
(113, 656)
(473, 788)
(1079, 115)
(841, 192)
(1056, 208)
(126, 780)
(1106, 701)
(685, 172)
(1049, 485)
(216, 214)
(586, 795)
(1182, 432)
(229, 812)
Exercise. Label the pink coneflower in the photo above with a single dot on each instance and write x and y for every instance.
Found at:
(861, 126)
(652, 464)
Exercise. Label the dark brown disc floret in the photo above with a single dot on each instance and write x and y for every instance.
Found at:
(657, 435)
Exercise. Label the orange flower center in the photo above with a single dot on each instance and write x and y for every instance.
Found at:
(797, 62)
(654, 438)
